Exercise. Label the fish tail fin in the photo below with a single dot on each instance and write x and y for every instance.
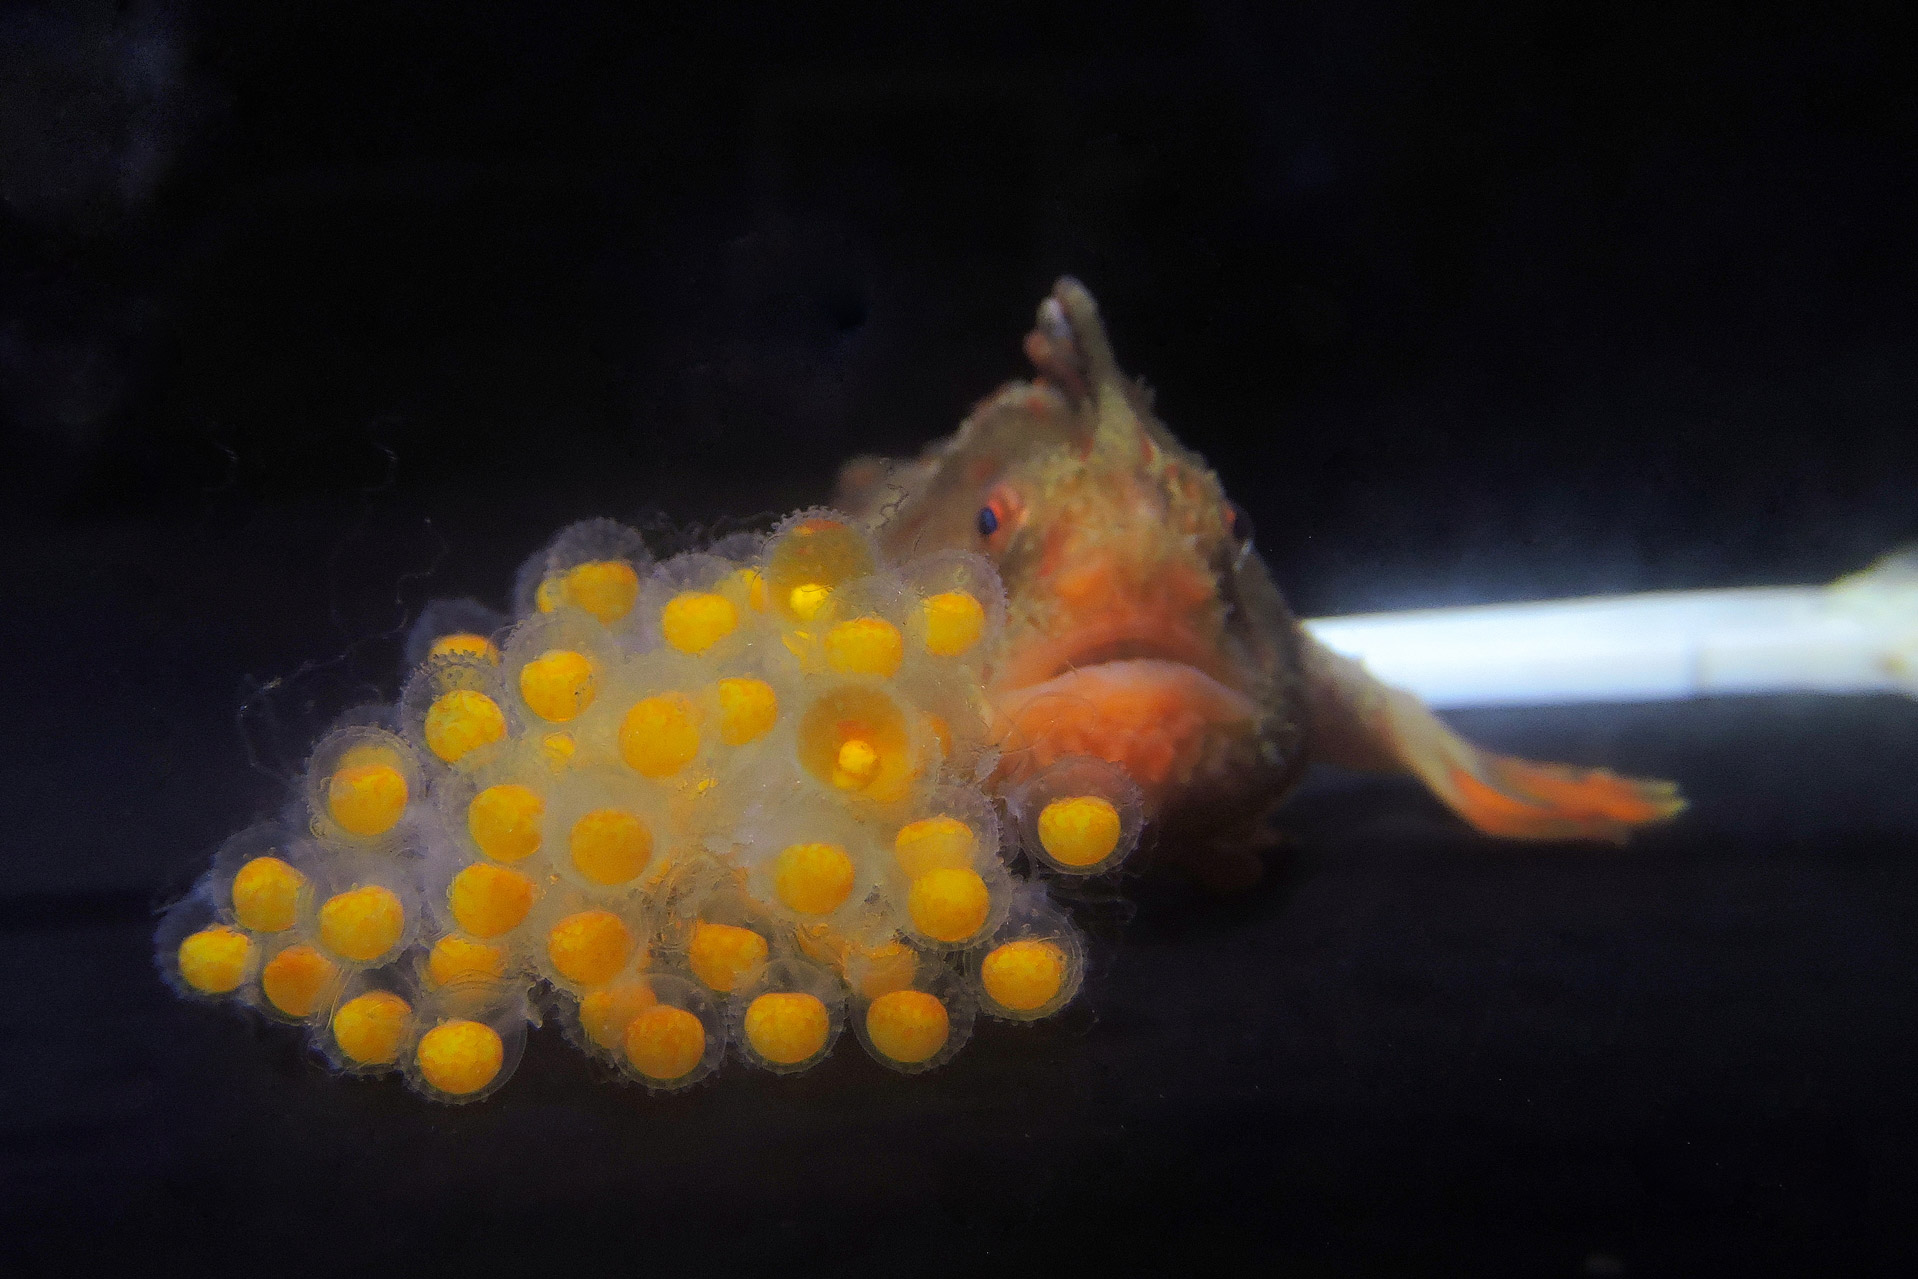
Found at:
(1359, 722)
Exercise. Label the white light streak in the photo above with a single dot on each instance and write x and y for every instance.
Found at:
(1858, 635)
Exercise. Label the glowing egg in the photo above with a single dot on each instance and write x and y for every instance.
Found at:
(610, 846)
(488, 900)
(589, 948)
(298, 980)
(813, 879)
(558, 684)
(694, 621)
(459, 1057)
(865, 646)
(748, 709)
(855, 739)
(954, 622)
(721, 954)
(266, 895)
(787, 1027)
(660, 735)
(363, 923)
(811, 555)
(665, 1043)
(213, 961)
(1079, 831)
(1024, 975)
(908, 1026)
(456, 959)
(461, 721)
(949, 905)
(934, 843)
(367, 799)
(605, 1014)
(607, 589)
(369, 1028)
(504, 821)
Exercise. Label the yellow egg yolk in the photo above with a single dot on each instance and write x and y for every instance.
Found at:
(787, 1027)
(934, 843)
(589, 948)
(694, 621)
(1079, 831)
(660, 735)
(610, 846)
(213, 961)
(362, 924)
(865, 646)
(297, 980)
(456, 959)
(748, 708)
(605, 588)
(949, 905)
(558, 684)
(266, 895)
(505, 821)
(368, 1028)
(813, 879)
(366, 799)
(1024, 975)
(909, 1026)
(488, 900)
(665, 1043)
(460, 722)
(465, 645)
(954, 623)
(460, 1057)
(721, 954)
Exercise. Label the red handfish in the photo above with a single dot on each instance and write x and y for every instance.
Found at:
(1144, 628)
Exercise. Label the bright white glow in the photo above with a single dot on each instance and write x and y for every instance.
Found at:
(1858, 635)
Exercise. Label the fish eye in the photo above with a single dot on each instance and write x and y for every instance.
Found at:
(1000, 518)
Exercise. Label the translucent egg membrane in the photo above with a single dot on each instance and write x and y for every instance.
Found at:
(717, 808)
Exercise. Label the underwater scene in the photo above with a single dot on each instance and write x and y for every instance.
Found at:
(737, 802)
(613, 665)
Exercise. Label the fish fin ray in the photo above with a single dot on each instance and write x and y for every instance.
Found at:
(1360, 722)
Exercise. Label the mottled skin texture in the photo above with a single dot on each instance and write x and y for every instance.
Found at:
(1143, 628)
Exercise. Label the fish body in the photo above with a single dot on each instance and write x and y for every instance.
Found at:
(717, 805)
(1144, 628)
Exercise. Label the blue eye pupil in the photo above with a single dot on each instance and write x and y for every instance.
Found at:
(988, 521)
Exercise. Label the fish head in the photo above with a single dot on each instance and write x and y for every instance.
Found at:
(1141, 626)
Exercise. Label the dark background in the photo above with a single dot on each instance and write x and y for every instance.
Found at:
(312, 313)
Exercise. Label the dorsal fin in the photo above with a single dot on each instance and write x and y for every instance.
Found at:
(1119, 430)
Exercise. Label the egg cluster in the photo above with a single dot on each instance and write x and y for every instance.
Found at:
(734, 800)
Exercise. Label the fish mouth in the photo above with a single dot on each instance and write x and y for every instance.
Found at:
(1158, 704)
(1113, 643)
(1126, 650)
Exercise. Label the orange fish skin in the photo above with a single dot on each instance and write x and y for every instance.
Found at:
(1143, 628)
(1140, 625)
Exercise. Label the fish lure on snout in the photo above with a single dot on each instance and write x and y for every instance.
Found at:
(731, 803)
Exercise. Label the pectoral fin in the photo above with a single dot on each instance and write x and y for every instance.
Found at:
(1359, 722)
